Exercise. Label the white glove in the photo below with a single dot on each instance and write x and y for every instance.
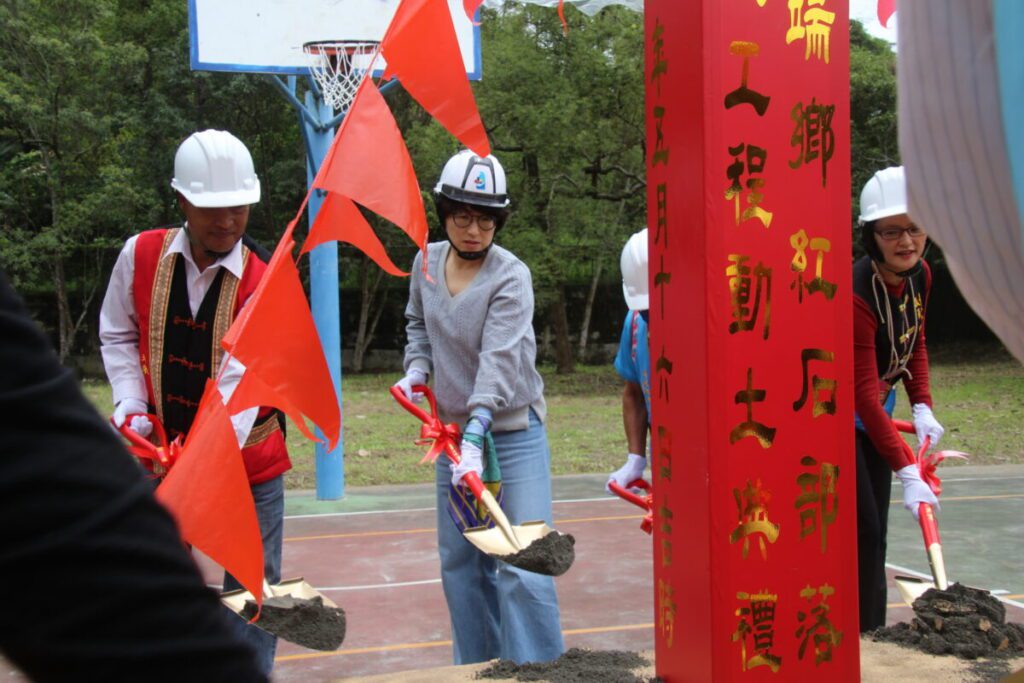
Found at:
(472, 460)
(139, 424)
(915, 490)
(925, 424)
(628, 473)
(413, 377)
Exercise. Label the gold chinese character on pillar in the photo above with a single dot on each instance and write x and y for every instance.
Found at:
(756, 627)
(765, 435)
(666, 610)
(741, 278)
(752, 515)
(818, 503)
(747, 160)
(816, 629)
(821, 246)
(816, 383)
(813, 26)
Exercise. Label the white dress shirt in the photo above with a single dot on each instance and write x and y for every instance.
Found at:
(119, 326)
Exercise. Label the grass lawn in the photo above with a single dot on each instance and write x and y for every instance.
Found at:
(979, 399)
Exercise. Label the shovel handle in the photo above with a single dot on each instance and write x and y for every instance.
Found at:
(933, 545)
(416, 411)
(929, 527)
(630, 497)
(472, 480)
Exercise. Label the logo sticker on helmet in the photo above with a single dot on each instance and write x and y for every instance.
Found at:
(480, 182)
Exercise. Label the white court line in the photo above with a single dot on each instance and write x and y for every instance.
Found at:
(374, 586)
(430, 509)
(949, 479)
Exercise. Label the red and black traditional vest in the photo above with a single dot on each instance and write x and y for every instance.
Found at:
(179, 351)
(900, 318)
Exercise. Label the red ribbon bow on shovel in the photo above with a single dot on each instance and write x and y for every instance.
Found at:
(160, 456)
(441, 436)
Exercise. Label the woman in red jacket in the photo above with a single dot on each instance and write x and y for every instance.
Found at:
(890, 286)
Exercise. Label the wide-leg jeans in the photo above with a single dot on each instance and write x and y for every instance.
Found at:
(499, 611)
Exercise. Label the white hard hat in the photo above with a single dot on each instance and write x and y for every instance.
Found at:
(212, 168)
(634, 271)
(884, 195)
(475, 180)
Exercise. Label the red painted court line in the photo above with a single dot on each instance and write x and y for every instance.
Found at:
(431, 530)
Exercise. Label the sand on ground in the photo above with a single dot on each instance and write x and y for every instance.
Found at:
(879, 663)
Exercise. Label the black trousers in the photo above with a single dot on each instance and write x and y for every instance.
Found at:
(874, 484)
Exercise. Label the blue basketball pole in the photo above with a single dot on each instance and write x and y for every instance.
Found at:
(317, 121)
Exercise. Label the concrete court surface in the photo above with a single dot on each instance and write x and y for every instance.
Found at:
(374, 553)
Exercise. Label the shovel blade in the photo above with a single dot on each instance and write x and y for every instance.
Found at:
(493, 541)
(296, 588)
(911, 588)
(294, 611)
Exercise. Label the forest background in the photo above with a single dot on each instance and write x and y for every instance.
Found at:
(96, 95)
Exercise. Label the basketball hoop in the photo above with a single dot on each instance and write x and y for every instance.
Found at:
(338, 66)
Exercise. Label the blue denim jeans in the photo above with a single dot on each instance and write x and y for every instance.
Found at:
(498, 611)
(269, 499)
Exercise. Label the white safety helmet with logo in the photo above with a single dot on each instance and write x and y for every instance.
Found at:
(634, 271)
(474, 180)
(213, 168)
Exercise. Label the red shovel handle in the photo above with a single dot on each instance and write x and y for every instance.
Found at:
(627, 495)
(418, 412)
(929, 527)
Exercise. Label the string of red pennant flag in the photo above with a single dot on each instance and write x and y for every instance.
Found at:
(274, 336)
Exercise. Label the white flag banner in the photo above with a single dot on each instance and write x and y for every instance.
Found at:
(959, 184)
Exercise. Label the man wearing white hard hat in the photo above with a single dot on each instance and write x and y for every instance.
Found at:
(891, 285)
(172, 295)
(633, 361)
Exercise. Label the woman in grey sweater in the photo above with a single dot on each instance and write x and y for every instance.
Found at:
(470, 328)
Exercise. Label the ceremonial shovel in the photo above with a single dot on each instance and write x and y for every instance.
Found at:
(322, 624)
(911, 587)
(504, 540)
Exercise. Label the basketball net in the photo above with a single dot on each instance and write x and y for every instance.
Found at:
(338, 67)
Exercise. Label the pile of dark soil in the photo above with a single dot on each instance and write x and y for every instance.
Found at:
(551, 555)
(575, 666)
(309, 623)
(961, 621)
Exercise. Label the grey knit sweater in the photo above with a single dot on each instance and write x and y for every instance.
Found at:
(478, 346)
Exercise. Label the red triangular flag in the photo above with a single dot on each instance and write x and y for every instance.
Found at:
(340, 220)
(207, 491)
(275, 338)
(369, 163)
(471, 6)
(885, 10)
(421, 48)
(253, 391)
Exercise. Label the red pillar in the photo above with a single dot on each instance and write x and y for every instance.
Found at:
(751, 340)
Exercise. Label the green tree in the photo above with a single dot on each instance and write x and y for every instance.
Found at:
(873, 132)
(63, 183)
(565, 113)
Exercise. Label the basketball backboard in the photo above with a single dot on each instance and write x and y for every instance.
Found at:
(266, 36)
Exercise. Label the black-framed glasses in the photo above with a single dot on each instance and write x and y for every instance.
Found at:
(893, 234)
(483, 220)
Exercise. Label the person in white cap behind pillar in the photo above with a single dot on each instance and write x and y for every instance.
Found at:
(633, 361)
(172, 295)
